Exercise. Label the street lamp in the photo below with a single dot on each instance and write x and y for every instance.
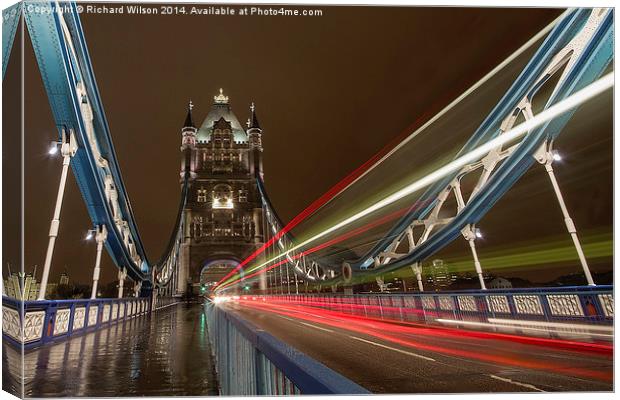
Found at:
(53, 149)
(90, 234)
(478, 233)
(556, 155)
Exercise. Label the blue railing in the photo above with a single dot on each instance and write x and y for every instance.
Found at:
(34, 323)
(566, 312)
(251, 362)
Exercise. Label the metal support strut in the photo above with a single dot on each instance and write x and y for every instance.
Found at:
(470, 235)
(100, 238)
(67, 149)
(417, 270)
(122, 274)
(546, 156)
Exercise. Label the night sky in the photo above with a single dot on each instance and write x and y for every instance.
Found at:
(330, 92)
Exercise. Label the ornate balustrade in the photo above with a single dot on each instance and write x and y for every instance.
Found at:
(584, 312)
(34, 323)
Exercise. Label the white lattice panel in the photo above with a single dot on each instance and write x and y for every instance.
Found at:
(79, 317)
(565, 304)
(33, 325)
(428, 302)
(10, 323)
(61, 322)
(467, 303)
(93, 312)
(121, 310)
(446, 303)
(528, 304)
(114, 311)
(105, 317)
(498, 304)
(607, 304)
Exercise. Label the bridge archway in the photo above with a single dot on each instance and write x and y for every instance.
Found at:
(214, 270)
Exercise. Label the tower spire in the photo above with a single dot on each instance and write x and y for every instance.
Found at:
(189, 122)
(253, 122)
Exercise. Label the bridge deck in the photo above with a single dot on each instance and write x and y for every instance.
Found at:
(165, 354)
(439, 362)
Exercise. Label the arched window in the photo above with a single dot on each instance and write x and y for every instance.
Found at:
(222, 197)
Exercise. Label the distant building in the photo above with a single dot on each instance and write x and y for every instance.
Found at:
(499, 283)
(439, 275)
(26, 287)
(64, 279)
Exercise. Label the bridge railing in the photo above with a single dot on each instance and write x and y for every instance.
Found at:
(251, 362)
(567, 312)
(34, 323)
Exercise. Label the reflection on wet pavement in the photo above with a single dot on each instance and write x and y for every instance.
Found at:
(165, 354)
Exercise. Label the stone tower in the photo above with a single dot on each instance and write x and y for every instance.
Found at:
(224, 214)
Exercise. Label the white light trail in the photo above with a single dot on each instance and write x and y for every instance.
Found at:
(552, 112)
(454, 102)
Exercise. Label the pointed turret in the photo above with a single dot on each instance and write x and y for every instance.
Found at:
(253, 123)
(189, 122)
(188, 144)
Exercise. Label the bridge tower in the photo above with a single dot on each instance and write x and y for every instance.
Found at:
(224, 212)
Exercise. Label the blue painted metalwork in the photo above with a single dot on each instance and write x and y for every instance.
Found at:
(37, 319)
(252, 362)
(64, 63)
(588, 68)
(10, 20)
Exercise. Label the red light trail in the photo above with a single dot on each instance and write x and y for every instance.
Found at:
(345, 236)
(341, 186)
(390, 332)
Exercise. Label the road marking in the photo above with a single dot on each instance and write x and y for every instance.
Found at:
(393, 348)
(525, 385)
(316, 327)
(307, 324)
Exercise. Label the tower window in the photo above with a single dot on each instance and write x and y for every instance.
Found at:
(202, 195)
(243, 196)
(222, 197)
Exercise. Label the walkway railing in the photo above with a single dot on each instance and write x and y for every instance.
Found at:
(34, 323)
(566, 312)
(251, 362)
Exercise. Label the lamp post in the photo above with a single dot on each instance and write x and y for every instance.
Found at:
(546, 156)
(68, 148)
(471, 233)
(101, 234)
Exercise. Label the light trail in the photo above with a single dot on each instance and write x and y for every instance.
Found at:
(387, 151)
(404, 336)
(383, 314)
(348, 235)
(516, 132)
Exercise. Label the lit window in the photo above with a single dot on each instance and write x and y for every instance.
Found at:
(222, 197)
(202, 195)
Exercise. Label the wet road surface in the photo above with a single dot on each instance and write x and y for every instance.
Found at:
(164, 354)
(388, 358)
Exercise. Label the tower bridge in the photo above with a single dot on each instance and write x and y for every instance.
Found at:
(224, 212)
(277, 317)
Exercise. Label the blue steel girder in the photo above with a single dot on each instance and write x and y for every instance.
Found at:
(586, 67)
(64, 63)
(589, 65)
(10, 21)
